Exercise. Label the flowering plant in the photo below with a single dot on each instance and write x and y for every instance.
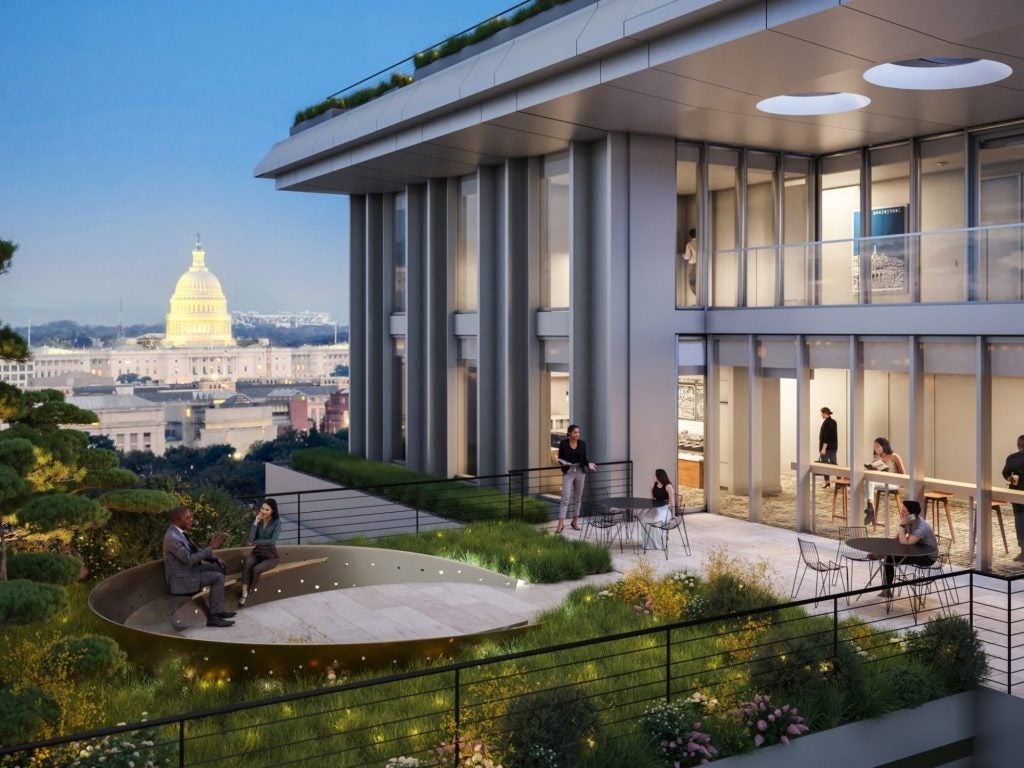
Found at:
(473, 754)
(769, 725)
(404, 762)
(678, 736)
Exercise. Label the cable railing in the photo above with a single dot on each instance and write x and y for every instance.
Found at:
(977, 264)
(403, 72)
(440, 714)
(374, 511)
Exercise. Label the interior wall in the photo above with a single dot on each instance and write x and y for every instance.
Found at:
(829, 387)
(723, 223)
(1006, 399)
(943, 257)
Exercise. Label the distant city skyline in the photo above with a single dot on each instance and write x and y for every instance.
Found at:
(130, 126)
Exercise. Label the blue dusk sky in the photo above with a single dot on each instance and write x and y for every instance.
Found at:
(130, 125)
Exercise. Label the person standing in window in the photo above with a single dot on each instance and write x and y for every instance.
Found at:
(690, 260)
(1013, 473)
(828, 440)
(572, 456)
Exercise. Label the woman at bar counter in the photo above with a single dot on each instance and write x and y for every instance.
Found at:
(913, 530)
(887, 460)
(572, 456)
(263, 536)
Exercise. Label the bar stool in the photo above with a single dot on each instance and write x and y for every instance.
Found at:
(997, 507)
(841, 485)
(932, 499)
(893, 491)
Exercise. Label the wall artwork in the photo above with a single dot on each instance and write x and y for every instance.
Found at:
(691, 398)
(888, 250)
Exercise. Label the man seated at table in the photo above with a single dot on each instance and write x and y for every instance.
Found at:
(913, 529)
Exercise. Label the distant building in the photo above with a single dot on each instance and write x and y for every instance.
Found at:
(336, 412)
(280, 319)
(132, 423)
(199, 309)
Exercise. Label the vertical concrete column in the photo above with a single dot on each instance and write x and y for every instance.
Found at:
(416, 326)
(754, 432)
(522, 364)
(581, 299)
(357, 325)
(492, 335)
(712, 427)
(391, 405)
(452, 382)
(859, 446)
(436, 267)
(648, 316)
(915, 414)
(983, 456)
(804, 517)
(375, 330)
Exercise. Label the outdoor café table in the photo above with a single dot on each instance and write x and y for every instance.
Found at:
(631, 507)
(886, 547)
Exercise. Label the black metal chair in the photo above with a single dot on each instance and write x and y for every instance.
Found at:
(846, 556)
(945, 589)
(657, 532)
(824, 570)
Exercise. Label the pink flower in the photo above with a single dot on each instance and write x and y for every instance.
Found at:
(758, 740)
(793, 729)
(762, 726)
(784, 739)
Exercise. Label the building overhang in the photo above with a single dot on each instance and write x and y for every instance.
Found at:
(689, 69)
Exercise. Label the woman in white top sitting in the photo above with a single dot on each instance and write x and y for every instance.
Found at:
(882, 451)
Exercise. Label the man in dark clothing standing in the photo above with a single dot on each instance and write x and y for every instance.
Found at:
(1013, 473)
(828, 440)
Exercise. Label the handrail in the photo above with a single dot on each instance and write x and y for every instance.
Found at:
(497, 660)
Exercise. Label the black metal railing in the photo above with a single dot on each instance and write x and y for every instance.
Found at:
(437, 714)
(374, 511)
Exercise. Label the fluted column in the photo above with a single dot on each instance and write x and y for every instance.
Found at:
(357, 326)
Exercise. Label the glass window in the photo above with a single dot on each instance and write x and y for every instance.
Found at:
(400, 400)
(838, 268)
(889, 248)
(761, 229)
(398, 253)
(467, 247)
(943, 256)
(554, 227)
(1001, 170)
(690, 423)
(797, 228)
(722, 221)
(687, 217)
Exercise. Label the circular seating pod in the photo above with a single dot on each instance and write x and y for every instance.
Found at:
(322, 609)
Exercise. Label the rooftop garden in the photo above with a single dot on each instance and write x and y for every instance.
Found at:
(348, 98)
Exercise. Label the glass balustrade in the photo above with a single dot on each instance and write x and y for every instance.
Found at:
(980, 264)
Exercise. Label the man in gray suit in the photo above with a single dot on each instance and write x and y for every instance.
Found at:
(188, 568)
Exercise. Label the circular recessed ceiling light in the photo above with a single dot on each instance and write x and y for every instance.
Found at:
(813, 103)
(937, 73)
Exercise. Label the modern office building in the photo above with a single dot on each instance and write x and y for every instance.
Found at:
(521, 249)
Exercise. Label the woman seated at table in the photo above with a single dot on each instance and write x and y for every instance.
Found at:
(663, 496)
(913, 530)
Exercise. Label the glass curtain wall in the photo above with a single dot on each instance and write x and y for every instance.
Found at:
(761, 226)
(943, 256)
(554, 227)
(1001, 204)
(467, 246)
(1007, 367)
(828, 360)
(399, 400)
(687, 224)
(722, 191)
(797, 228)
(398, 255)
(731, 361)
(691, 370)
(838, 268)
(886, 364)
(466, 414)
(893, 264)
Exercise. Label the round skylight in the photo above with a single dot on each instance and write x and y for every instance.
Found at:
(937, 73)
(813, 103)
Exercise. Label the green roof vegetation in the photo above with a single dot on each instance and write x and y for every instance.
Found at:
(450, 46)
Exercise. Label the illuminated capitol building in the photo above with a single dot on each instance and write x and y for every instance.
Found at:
(197, 347)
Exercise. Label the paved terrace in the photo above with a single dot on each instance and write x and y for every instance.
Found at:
(402, 612)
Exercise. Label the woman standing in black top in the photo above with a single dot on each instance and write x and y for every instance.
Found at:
(828, 439)
(572, 455)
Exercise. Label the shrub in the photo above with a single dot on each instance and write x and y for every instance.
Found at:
(98, 458)
(727, 593)
(45, 567)
(25, 714)
(562, 720)
(23, 602)
(676, 732)
(952, 652)
(768, 725)
(48, 512)
(87, 656)
(796, 659)
(909, 685)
